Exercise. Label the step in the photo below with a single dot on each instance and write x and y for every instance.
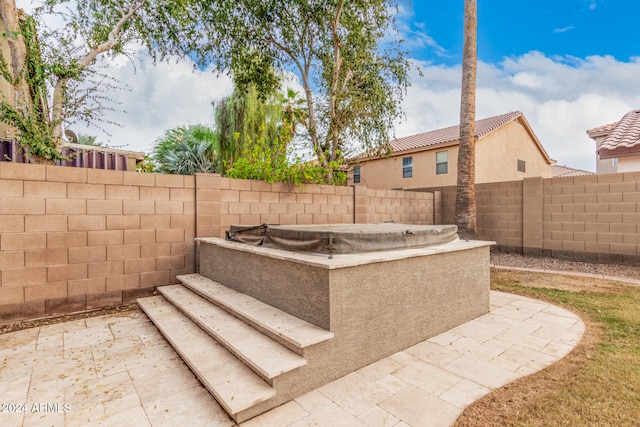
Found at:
(291, 331)
(262, 354)
(231, 382)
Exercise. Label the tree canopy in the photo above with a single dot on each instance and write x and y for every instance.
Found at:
(49, 66)
(352, 71)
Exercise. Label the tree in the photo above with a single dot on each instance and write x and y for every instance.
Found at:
(465, 212)
(27, 108)
(246, 118)
(65, 58)
(187, 150)
(353, 78)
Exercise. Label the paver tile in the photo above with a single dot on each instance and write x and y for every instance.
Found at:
(283, 415)
(428, 377)
(192, 407)
(329, 416)
(484, 373)
(392, 383)
(149, 388)
(378, 417)
(379, 369)
(87, 337)
(313, 401)
(418, 408)
(132, 417)
(476, 331)
(434, 353)
(528, 357)
(402, 357)
(464, 393)
(355, 393)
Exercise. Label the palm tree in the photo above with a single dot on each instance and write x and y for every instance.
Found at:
(187, 150)
(465, 214)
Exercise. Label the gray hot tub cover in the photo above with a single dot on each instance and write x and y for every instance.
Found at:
(343, 238)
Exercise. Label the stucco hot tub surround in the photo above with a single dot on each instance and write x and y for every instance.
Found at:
(401, 296)
(330, 314)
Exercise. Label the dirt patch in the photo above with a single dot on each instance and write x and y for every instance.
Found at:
(26, 324)
(555, 281)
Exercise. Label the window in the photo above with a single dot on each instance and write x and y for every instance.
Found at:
(442, 162)
(407, 167)
(356, 174)
(522, 166)
(614, 162)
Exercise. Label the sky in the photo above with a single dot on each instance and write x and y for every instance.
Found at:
(568, 66)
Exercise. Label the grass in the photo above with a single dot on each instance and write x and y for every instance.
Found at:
(598, 383)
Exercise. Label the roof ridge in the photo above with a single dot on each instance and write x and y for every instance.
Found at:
(451, 133)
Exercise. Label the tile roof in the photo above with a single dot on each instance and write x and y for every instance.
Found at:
(602, 129)
(451, 134)
(626, 133)
(558, 171)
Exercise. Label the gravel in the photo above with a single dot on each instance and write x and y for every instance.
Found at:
(543, 263)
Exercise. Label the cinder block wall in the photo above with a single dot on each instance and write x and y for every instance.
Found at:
(377, 206)
(75, 239)
(593, 218)
(222, 202)
(585, 218)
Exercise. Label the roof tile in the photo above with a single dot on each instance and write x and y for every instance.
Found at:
(558, 171)
(626, 133)
(451, 134)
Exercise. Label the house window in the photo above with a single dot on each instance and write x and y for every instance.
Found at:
(442, 162)
(356, 174)
(522, 166)
(614, 162)
(407, 167)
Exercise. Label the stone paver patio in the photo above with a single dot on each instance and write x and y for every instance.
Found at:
(117, 370)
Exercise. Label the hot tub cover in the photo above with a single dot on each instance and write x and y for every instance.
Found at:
(343, 238)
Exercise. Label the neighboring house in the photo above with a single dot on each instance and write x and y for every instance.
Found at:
(558, 171)
(506, 150)
(618, 144)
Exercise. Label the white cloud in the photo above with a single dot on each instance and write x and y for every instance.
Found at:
(158, 98)
(560, 97)
(564, 29)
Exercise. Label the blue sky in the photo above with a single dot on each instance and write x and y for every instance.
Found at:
(568, 65)
(578, 28)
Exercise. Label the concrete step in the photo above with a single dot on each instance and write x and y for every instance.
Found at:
(234, 385)
(294, 333)
(263, 355)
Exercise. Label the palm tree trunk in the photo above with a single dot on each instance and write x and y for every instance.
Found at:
(465, 213)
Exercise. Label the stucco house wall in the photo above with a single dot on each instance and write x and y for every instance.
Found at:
(497, 156)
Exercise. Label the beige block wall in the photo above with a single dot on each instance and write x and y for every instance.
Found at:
(593, 218)
(585, 218)
(76, 239)
(222, 202)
